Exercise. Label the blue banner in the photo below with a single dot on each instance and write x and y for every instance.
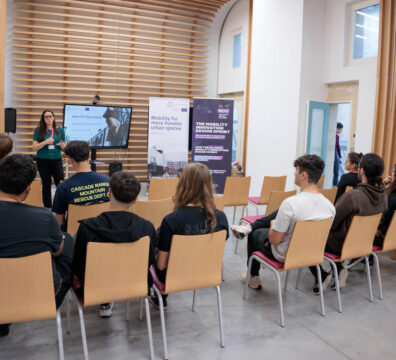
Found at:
(212, 137)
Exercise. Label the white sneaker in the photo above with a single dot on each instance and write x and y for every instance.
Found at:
(240, 231)
(254, 282)
(342, 278)
(106, 310)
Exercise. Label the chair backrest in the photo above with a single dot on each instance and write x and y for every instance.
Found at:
(321, 182)
(307, 244)
(236, 191)
(161, 188)
(348, 188)
(116, 271)
(153, 210)
(271, 183)
(276, 198)
(360, 236)
(219, 202)
(80, 212)
(330, 194)
(27, 288)
(390, 237)
(35, 198)
(195, 261)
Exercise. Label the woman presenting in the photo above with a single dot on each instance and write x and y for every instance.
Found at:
(48, 140)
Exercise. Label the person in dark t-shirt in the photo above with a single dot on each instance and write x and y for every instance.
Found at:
(118, 225)
(85, 187)
(194, 214)
(29, 230)
(351, 177)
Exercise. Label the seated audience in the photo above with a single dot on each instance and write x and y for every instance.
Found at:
(85, 187)
(387, 216)
(351, 177)
(118, 225)
(194, 214)
(28, 230)
(6, 144)
(272, 234)
(367, 199)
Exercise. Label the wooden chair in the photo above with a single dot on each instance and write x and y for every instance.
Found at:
(35, 196)
(161, 188)
(153, 210)
(330, 194)
(389, 244)
(80, 212)
(305, 249)
(194, 263)
(219, 202)
(115, 272)
(270, 183)
(358, 243)
(321, 182)
(27, 291)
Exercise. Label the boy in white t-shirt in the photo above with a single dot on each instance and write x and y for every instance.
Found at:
(309, 204)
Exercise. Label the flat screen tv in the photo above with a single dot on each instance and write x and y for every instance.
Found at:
(102, 126)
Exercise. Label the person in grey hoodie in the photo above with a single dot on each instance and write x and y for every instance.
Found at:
(369, 198)
(118, 225)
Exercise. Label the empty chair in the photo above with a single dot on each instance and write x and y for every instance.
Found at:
(115, 272)
(358, 243)
(305, 249)
(35, 198)
(27, 292)
(153, 210)
(195, 262)
(330, 194)
(80, 212)
(270, 183)
(161, 188)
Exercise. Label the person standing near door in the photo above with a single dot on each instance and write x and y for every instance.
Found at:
(48, 141)
(337, 154)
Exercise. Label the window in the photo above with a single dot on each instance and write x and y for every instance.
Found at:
(237, 51)
(366, 31)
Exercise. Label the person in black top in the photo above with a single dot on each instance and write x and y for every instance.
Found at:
(351, 177)
(29, 230)
(118, 225)
(387, 215)
(194, 214)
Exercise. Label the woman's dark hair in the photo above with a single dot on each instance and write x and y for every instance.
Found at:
(43, 126)
(391, 191)
(313, 165)
(354, 159)
(373, 167)
(340, 125)
(124, 186)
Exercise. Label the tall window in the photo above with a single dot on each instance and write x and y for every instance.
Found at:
(237, 51)
(366, 31)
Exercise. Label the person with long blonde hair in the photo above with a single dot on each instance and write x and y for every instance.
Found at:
(194, 214)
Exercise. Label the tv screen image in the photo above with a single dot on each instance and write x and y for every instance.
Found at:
(101, 126)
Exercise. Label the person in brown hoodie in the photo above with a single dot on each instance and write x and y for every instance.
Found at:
(368, 198)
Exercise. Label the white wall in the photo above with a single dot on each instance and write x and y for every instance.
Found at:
(337, 70)
(274, 89)
(229, 79)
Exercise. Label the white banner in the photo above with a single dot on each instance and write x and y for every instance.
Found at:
(167, 136)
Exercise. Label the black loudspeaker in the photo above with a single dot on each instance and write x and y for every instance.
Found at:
(10, 120)
(114, 167)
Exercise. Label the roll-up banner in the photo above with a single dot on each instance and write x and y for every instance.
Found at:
(212, 137)
(167, 136)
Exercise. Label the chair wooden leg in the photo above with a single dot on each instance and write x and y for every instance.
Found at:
(60, 337)
(377, 269)
(220, 310)
(320, 290)
(369, 279)
(162, 317)
(150, 333)
(335, 272)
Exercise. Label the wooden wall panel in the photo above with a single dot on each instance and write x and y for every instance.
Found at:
(123, 50)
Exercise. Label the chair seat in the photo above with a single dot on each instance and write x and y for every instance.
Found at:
(159, 284)
(251, 219)
(377, 248)
(276, 264)
(332, 256)
(254, 199)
